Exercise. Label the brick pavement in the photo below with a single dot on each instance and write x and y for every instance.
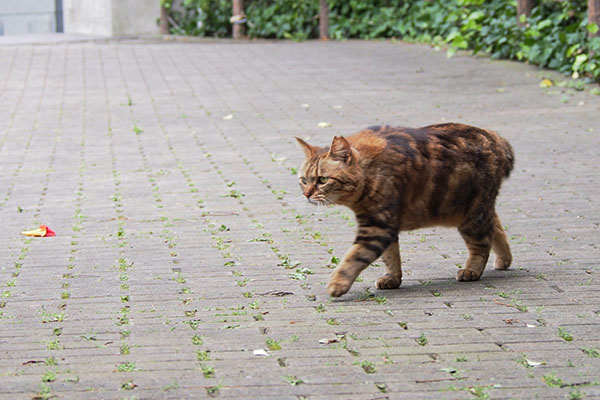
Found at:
(183, 243)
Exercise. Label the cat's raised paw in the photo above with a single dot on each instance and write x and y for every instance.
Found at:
(337, 288)
(465, 275)
(389, 281)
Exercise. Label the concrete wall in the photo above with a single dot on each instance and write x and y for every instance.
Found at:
(134, 17)
(88, 17)
(111, 17)
(18, 17)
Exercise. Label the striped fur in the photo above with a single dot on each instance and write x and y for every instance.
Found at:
(397, 179)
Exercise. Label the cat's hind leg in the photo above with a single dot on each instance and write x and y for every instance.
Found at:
(477, 235)
(500, 246)
(393, 277)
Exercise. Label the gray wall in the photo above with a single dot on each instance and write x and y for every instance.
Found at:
(18, 17)
(111, 17)
(88, 17)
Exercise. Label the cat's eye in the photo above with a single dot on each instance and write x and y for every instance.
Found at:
(303, 180)
(323, 180)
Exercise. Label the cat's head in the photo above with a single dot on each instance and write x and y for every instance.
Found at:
(331, 175)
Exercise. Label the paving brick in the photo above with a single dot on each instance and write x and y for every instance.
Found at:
(166, 170)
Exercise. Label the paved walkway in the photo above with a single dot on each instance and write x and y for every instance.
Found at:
(183, 245)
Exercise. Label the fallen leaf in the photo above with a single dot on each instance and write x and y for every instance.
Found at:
(218, 213)
(451, 371)
(328, 341)
(33, 362)
(546, 83)
(441, 380)
(324, 125)
(278, 159)
(42, 231)
(278, 293)
(535, 363)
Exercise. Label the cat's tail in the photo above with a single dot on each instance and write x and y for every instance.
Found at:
(509, 157)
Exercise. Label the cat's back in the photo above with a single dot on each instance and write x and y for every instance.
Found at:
(449, 144)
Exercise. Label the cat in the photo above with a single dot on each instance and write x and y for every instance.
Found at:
(396, 179)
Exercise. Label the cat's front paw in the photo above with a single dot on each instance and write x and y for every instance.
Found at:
(389, 281)
(336, 288)
(467, 275)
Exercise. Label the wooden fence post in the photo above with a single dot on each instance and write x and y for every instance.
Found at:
(238, 19)
(164, 20)
(324, 20)
(594, 14)
(524, 7)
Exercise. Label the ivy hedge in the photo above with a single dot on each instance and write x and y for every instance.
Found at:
(556, 35)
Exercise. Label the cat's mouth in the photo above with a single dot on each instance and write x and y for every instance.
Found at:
(321, 201)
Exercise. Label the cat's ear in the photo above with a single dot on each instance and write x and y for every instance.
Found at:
(340, 150)
(309, 150)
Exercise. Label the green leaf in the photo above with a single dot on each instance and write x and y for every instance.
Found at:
(476, 15)
(564, 334)
(579, 61)
(293, 380)
(592, 28)
(544, 24)
(572, 49)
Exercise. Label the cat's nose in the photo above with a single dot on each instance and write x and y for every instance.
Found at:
(308, 192)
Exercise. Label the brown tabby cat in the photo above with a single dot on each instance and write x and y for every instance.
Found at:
(397, 179)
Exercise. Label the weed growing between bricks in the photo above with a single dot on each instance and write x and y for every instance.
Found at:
(220, 245)
(280, 161)
(277, 193)
(11, 283)
(70, 272)
(170, 239)
(32, 130)
(421, 340)
(315, 97)
(265, 236)
(199, 166)
(513, 302)
(46, 316)
(122, 264)
(122, 267)
(203, 354)
(5, 294)
(312, 235)
(17, 104)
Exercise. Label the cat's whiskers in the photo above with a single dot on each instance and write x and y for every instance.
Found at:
(320, 201)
